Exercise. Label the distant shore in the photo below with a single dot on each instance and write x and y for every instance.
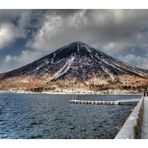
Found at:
(66, 93)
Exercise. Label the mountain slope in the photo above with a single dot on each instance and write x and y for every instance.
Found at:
(76, 62)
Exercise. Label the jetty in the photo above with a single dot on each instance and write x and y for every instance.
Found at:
(136, 125)
(100, 102)
(144, 127)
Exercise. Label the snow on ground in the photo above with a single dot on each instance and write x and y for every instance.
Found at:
(107, 71)
(52, 59)
(78, 48)
(87, 48)
(64, 69)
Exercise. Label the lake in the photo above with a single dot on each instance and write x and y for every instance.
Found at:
(51, 116)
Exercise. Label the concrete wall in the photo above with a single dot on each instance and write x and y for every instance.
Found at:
(127, 131)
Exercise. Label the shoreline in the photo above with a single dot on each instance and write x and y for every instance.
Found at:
(67, 93)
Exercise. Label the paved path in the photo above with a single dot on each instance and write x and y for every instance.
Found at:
(145, 120)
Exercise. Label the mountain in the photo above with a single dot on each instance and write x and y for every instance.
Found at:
(75, 66)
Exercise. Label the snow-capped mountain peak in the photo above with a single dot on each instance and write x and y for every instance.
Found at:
(77, 60)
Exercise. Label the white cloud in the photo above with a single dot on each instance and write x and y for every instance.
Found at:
(102, 27)
(26, 57)
(78, 20)
(58, 30)
(138, 61)
(51, 27)
(114, 31)
(9, 58)
(9, 31)
(8, 34)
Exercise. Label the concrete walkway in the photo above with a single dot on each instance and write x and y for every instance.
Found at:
(144, 133)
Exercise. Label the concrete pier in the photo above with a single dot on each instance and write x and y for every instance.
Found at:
(128, 129)
(96, 102)
(144, 133)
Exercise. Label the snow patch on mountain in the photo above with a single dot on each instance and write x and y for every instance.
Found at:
(87, 62)
(78, 48)
(87, 48)
(64, 69)
(44, 63)
(107, 71)
(39, 67)
(52, 59)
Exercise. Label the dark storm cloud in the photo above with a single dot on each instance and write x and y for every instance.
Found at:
(97, 26)
(13, 25)
(116, 32)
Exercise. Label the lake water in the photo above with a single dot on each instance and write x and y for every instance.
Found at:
(53, 117)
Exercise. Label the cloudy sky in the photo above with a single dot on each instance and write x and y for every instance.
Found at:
(26, 35)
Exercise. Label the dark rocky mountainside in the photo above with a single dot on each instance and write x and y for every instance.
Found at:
(78, 62)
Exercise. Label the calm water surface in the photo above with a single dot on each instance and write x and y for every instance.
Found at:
(51, 116)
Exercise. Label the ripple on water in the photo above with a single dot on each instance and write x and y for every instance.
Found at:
(51, 116)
